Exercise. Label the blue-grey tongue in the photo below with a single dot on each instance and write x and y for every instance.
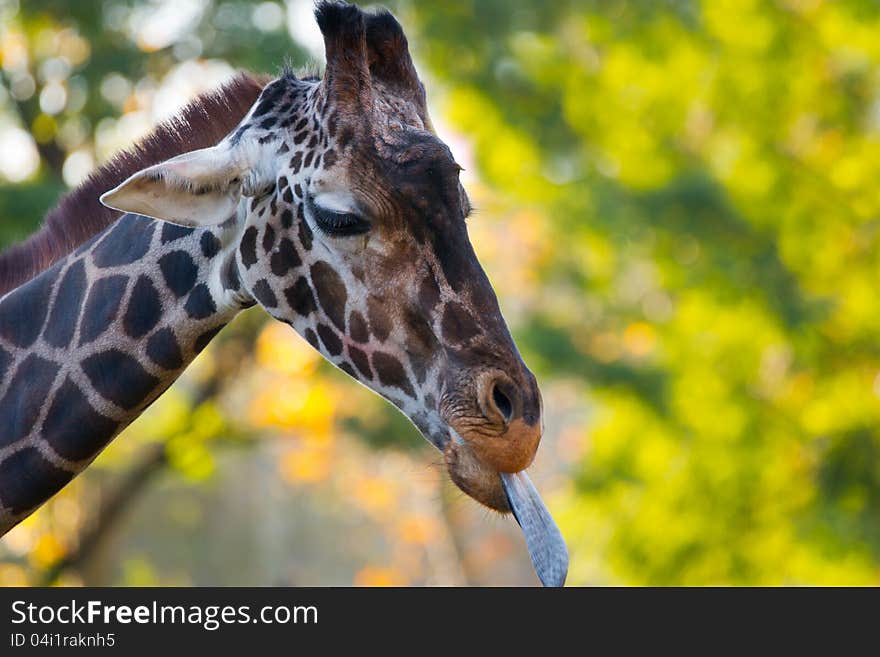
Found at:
(546, 545)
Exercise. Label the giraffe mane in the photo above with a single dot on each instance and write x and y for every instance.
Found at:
(79, 214)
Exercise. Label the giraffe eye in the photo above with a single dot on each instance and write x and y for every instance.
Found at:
(339, 224)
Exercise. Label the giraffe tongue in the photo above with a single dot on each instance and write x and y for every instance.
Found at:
(546, 545)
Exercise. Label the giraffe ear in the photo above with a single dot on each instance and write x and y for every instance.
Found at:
(389, 59)
(199, 188)
(347, 75)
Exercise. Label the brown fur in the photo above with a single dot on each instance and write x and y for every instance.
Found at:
(512, 451)
(474, 478)
(79, 215)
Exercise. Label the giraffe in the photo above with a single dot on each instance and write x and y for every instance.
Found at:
(332, 204)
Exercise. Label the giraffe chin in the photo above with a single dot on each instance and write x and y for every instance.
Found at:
(473, 477)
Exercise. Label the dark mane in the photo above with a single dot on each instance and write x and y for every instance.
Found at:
(79, 215)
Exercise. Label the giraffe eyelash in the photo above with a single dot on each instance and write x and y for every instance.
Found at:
(339, 224)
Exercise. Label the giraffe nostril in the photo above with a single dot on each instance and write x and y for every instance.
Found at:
(502, 403)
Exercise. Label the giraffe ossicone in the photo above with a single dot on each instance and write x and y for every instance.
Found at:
(329, 202)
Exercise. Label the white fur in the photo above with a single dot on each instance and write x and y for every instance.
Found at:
(199, 188)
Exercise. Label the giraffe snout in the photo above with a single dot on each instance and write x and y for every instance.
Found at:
(503, 440)
(513, 408)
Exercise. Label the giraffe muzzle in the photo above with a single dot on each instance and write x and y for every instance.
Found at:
(509, 439)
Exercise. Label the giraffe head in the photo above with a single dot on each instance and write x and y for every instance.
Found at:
(348, 223)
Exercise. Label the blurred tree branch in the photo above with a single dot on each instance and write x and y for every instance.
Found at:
(112, 509)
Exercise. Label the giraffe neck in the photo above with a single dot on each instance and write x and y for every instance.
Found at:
(92, 341)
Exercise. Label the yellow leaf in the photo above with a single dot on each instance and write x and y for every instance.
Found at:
(374, 576)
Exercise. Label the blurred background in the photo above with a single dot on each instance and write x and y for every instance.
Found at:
(678, 204)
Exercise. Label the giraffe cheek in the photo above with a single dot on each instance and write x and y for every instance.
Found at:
(361, 361)
(391, 373)
(331, 291)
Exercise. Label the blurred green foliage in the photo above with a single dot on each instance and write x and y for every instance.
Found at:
(705, 176)
(691, 187)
